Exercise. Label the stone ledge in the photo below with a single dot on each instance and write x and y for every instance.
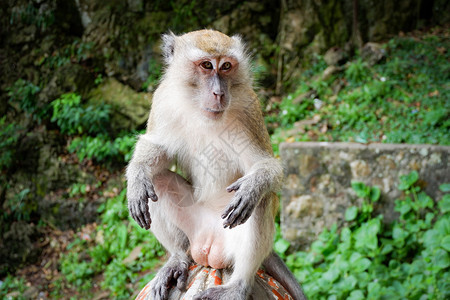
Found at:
(318, 177)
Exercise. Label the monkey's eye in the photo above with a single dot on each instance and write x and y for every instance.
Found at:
(226, 66)
(206, 65)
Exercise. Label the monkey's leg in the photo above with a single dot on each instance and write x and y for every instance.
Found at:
(175, 195)
(248, 245)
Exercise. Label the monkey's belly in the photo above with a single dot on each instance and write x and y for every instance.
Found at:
(208, 250)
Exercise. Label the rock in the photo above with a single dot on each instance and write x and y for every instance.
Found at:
(68, 78)
(329, 71)
(31, 293)
(304, 205)
(318, 181)
(335, 56)
(129, 109)
(373, 53)
(16, 246)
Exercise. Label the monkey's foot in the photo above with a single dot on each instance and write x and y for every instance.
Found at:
(229, 292)
(174, 273)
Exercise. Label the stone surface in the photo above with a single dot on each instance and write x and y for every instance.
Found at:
(318, 178)
(129, 109)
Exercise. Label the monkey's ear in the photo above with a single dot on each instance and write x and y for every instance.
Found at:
(168, 46)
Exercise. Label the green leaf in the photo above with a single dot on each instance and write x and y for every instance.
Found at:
(349, 283)
(366, 235)
(406, 181)
(446, 243)
(346, 235)
(374, 290)
(281, 246)
(387, 249)
(431, 238)
(425, 201)
(351, 213)
(361, 189)
(444, 204)
(354, 258)
(361, 264)
(375, 193)
(331, 275)
(445, 187)
(441, 259)
(399, 233)
(403, 206)
(356, 295)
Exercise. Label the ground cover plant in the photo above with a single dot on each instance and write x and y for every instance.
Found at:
(366, 259)
(402, 99)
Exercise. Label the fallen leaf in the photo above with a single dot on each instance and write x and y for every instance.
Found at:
(434, 93)
(290, 140)
(134, 254)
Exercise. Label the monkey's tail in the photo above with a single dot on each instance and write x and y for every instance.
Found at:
(276, 268)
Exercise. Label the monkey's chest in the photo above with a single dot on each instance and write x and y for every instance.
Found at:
(215, 164)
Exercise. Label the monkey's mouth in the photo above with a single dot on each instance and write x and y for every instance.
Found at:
(212, 113)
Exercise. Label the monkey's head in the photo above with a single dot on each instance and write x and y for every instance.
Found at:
(213, 66)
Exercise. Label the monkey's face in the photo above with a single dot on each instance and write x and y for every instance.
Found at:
(213, 79)
(210, 66)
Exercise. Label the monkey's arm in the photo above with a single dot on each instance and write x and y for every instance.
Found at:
(263, 177)
(148, 160)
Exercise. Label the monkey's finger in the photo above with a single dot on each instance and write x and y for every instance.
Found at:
(182, 280)
(231, 220)
(228, 210)
(132, 213)
(234, 186)
(243, 217)
(150, 193)
(135, 212)
(145, 214)
(139, 219)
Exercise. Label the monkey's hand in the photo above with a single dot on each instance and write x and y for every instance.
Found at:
(174, 272)
(244, 201)
(138, 194)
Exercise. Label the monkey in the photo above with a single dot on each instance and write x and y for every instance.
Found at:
(206, 118)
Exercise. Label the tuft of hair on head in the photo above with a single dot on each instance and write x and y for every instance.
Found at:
(168, 46)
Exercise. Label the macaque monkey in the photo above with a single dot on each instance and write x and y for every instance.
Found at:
(206, 118)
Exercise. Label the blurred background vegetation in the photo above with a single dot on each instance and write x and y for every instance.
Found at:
(76, 84)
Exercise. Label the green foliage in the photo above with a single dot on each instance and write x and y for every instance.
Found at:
(77, 51)
(12, 284)
(9, 136)
(400, 100)
(103, 148)
(358, 72)
(99, 79)
(73, 118)
(408, 259)
(115, 238)
(18, 208)
(31, 15)
(293, 112)
(23, 93)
